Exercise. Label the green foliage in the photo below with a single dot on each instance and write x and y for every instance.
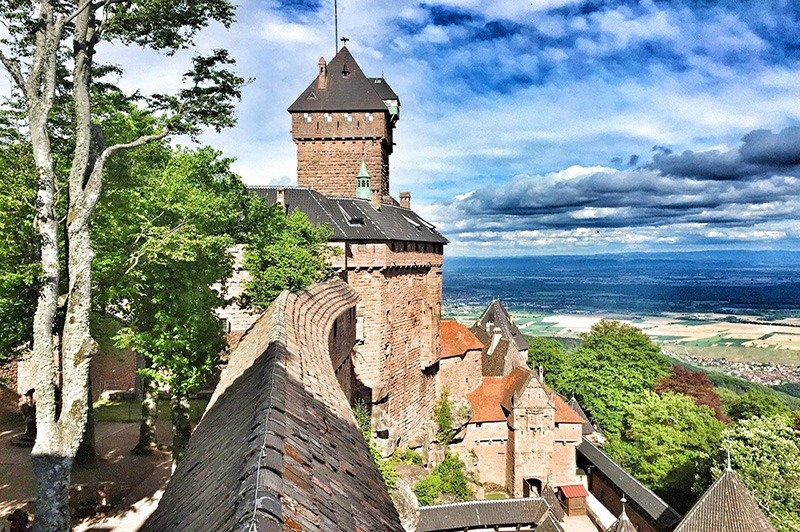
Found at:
(611, 369)
(409, 456)
(550, 355)
(363, 418)
(664, 442)
(765, 452)
(162, 234)
(447, 477)
(756, 403)
(428, 490)
(443, 416)
(790, 388)
(364, 421)
(19, 270)
(284, 252)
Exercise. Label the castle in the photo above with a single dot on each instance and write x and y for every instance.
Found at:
(379, 337)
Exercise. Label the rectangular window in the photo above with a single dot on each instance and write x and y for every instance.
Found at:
(328, 117)
(348, 117)
(360, 329)
(307, 117)
(368, 116)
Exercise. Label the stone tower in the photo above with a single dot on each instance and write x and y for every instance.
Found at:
(340, 120)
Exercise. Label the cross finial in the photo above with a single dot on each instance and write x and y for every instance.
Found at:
(344, 41)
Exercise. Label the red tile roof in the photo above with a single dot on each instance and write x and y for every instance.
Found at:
(564, 412)
(571, 492)
(485, 400)
(456, 339)
(515, 381)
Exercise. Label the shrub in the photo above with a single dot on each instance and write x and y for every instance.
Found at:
(447, 477)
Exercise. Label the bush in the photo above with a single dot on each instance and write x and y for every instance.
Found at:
(411, 457)
(364, 420)
(447, 477)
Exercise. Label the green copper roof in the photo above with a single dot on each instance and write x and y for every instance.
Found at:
(363, 188)
(363, 172)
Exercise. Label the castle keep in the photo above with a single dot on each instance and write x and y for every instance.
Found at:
(342, 125)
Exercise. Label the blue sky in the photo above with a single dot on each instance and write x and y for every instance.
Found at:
(549, 126)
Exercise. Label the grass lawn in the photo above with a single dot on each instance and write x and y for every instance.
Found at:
(131, 411)
(496, 495)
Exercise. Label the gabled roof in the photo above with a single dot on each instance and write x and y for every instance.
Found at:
(456, 339)
(515, 382)
(622, 524)
(637, 493)
(587, 427)
(574, 491)
(354, 92)
(383, 89)
(354, 219)
(498, 316)
(727, 506)
(555, 506)
(485, 514)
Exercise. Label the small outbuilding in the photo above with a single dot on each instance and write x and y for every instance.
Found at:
(573, 498)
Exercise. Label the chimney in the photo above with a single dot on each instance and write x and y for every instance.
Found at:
(280, 198)
(376, 199)
(405, 200)
(322, 81)
(496, 334)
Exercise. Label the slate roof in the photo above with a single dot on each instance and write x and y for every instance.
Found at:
(278, 447)
(465, 515)
(727, 506)
(637, 493)
(555, 505)
(622, 524)
(587, 427)
(383, 89)
(352, 93)
(456, 339)
(354, 219)
(499, 317)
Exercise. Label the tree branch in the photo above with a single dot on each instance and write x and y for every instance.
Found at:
(77, 12)
(12, 65)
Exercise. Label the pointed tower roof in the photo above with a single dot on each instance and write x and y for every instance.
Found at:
(498, 316)
(346, 89)
(622, 524)
(587, 427)
(727, 506)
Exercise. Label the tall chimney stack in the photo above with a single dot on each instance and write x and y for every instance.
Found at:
(322, 81)
(375, 201)
(280, 198)
(405, 200)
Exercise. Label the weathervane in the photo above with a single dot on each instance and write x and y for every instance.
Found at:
(344, 40)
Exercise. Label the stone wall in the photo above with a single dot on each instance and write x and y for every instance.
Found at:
(399, 311)
(489, 442)
(460, 375)
(562, 462)
(533, 420)
(329, 153)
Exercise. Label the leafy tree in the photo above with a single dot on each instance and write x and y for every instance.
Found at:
(443, 416)
(284, 252)
(611, 369)
(550, 355)
(188, 207)
(756, 403)
(765, 452)
(49, 44)
(664, 442)
(694, 384)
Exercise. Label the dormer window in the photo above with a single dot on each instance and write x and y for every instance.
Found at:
(328, 117)
(368, 117)
(307, 117)
(348, 117)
